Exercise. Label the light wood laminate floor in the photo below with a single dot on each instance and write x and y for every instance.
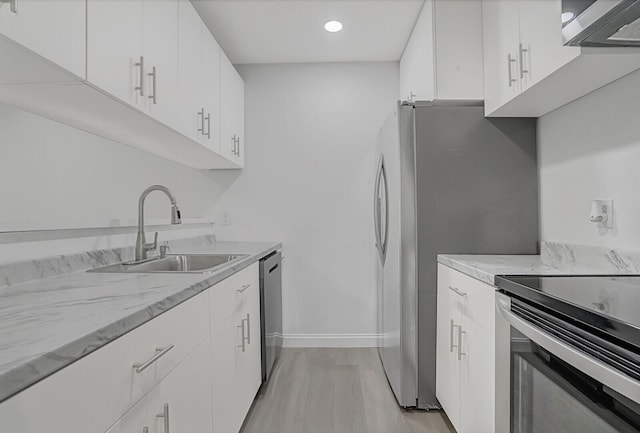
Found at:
(337, 391)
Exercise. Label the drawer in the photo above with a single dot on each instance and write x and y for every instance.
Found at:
(93, 392)
(230, 295)
(473, 298)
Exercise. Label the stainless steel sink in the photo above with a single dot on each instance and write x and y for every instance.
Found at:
(175, 263)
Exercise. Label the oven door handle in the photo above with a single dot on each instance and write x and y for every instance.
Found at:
(605, 374)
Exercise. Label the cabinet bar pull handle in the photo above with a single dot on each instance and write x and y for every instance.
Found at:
(241, 326)
(234, 144)
(153, 86)
(238, 154)
(521, 55)
(165, 415)
(208, 134)
(509, 62)
(457, 291)
(460, 352)
(140, 65)
(160, 352)
(201, 115)
(244, 287)
(248, 329)
(451, 345)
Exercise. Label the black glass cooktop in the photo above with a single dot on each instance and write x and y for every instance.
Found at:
(606, 303)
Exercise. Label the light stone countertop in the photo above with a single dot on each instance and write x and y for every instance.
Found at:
(486, 267)
(46, 324)
(554, 259)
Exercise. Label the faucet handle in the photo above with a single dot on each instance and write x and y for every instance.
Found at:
(154, 245)
(164, 247)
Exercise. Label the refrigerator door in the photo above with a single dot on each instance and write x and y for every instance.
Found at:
(397, 308)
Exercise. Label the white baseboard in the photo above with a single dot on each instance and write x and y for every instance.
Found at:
(330, 340)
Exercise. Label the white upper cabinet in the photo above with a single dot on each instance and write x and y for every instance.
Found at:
(441, 61)
(199, 79)
(54, 30)
(231, 112)
(115, 62)
(133, 53)
(528, 72)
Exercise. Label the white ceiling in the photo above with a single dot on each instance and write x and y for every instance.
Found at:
(292, 31)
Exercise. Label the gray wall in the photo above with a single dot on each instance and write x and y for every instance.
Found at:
(588, 150)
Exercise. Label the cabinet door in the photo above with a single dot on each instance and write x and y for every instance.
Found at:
(542, 48)
(56, 30)
(226, 351)
(250, 365)
(417, 80)
(211, 90)
(190, 100)
(114, 46)
(231, 112)
(447, 364)
(500, 45)
(160, 49)
(184, 396)
(477, 379)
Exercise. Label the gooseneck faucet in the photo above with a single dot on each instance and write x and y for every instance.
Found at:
(141, 246)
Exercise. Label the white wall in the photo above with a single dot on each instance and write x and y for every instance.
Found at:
(587, 150)
(308, 182)
(53, 176)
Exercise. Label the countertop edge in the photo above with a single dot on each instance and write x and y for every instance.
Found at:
(49, 363)
(467, 269)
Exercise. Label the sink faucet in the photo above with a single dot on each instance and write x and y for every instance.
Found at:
(141, 246)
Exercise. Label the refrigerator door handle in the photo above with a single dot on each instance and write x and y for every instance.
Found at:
(376, 209)
(383, 172)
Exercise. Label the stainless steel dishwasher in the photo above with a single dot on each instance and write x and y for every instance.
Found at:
(270, 311)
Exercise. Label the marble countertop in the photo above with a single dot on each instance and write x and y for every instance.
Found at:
(48, 323)
(554, 259)
(486, 267)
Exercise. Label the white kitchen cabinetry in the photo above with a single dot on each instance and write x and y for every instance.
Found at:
(528, 72)
(465, 360)
(180, 403)
(231, 112)
(55, 30)
(144, 73)
(235, 343)
(441, 61)
(97, 390)
(133, 53)
(199, 79)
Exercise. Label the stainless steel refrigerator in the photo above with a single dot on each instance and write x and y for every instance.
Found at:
(448, 181)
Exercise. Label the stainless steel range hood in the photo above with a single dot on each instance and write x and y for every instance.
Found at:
(601, 23)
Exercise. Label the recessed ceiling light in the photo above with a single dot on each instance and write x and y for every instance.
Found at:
(333, 26)
(566, 17)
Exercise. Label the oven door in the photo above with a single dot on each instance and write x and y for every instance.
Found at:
(544, 384)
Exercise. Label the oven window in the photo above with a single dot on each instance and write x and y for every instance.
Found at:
(548, 395)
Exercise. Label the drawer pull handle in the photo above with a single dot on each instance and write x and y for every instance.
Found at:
(457, 291)
(244, 287)
(165, 417)
(160, 352)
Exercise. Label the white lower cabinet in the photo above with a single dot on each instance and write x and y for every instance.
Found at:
(236, 353)
(465, 351)
(205, 379)
(180, 403)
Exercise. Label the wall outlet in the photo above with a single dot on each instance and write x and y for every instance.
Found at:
(225, 219)
(602, 213)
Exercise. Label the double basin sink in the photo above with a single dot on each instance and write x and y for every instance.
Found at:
(175, 263)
